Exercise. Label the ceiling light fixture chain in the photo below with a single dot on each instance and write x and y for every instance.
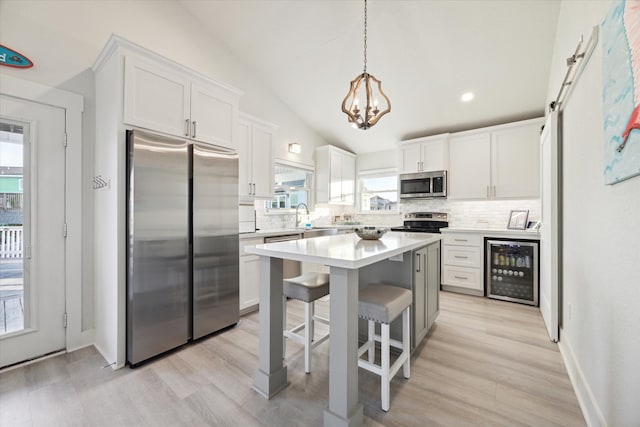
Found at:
(370, 113)
(365, 36)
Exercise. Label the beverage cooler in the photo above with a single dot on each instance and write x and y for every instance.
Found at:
(512, 270)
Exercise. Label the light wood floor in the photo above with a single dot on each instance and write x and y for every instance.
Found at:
(486, 362)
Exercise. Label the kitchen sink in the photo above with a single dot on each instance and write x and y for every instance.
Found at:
(318, 232)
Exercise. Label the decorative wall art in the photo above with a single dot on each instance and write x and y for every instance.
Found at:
(621, 90)
(13, 58)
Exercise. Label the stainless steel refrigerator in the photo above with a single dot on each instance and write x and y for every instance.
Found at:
(182, 243)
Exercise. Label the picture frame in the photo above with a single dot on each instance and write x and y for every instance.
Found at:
(518, 220)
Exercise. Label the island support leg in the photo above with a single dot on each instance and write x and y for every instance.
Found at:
(271, 376)
(344, 407)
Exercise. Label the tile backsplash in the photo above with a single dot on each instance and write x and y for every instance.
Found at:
(491, 214)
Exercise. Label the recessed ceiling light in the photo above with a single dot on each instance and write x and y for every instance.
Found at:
(467, 96)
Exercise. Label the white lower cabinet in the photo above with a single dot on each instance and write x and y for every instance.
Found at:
(249, 276)
(462, 262)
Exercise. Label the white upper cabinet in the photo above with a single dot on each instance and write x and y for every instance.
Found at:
(515, 157)
(156, 97)
(470, 166)
(214, 113)
(255, 149)
(335, 176)
(160, 97)
(425, 154)
(500, 162)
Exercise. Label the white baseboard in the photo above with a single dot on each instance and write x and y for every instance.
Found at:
(81, 340)
(587, 401)
(113, 365)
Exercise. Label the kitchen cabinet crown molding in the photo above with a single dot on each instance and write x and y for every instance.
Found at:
(249, 118)
(116, 42)
(438, 137)
(336, 149)
(504, 126)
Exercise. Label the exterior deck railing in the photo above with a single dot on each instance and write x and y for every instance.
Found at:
(11, 244)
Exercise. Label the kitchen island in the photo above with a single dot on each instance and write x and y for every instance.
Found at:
(346, 255)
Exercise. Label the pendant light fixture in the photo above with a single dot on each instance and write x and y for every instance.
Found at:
(361, 103)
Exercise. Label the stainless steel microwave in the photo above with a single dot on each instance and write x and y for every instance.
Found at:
(423, 185)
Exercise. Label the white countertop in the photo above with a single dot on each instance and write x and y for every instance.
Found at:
(489, 232)
(345, 250)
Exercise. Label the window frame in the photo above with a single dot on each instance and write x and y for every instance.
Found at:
(377, 173)
(310, 186)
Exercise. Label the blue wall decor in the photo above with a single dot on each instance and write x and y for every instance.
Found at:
(621, 91)
(11, 58)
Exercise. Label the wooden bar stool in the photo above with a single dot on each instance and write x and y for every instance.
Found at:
(381, 303)
(307, 288)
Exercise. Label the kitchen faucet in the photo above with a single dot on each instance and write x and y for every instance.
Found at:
(298, 214)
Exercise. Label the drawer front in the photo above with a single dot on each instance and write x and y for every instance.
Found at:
(464, 239)
(463, 277)
(462, 256)
(249, 242)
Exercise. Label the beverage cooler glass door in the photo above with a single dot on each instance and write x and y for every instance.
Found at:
(512, 271)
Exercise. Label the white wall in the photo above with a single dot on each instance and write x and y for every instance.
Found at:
(63, 39)
(600, 335)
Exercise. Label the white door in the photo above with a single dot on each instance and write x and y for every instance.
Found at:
(549, 290)
(39, 131)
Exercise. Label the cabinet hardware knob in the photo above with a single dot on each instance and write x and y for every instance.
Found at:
(460, 240)
(419, 267)
(186, 127)
(461, 257)
(194, 129)
(460, 277)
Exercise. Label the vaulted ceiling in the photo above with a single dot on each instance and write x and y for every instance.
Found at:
(426, 52)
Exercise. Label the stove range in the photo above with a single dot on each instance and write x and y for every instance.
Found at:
(423, 222)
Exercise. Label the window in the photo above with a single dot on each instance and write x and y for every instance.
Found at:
(378, 191)
(292, 186)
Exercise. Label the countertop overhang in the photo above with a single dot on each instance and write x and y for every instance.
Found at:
(345, 250)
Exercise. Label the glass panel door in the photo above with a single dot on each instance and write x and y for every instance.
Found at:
(32, 219)
(13, 196)
(512, 271)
